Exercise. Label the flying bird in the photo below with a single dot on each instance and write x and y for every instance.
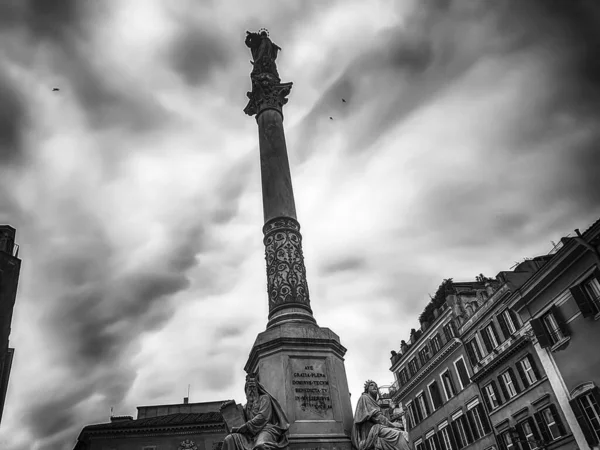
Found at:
(55, 89)
(331, 118)
(344, 100)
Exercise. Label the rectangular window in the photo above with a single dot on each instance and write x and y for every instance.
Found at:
(592, 289)
(430, 443)
(460, 433)
(507, 440)
(490, 332)
(463, 375)
(509, 384)
(491, 396)
(403, 377)
(449, 388)
(527, 371)
(508, 319)
(474, 351)
(552, 328)
(449, 331)
(413, 367)
(412, 416)
(423, 406)
(424, 355)
(551, 423)
(476, 423)
(527, 431)
(419, 445)
(591, 409)
(445, 439)
(436, 343)
(434, 393)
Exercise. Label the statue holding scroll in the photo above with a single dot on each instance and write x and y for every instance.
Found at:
(372, 430)
(264, 424)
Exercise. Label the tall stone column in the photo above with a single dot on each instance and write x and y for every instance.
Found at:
(286, 274)
(300, 363)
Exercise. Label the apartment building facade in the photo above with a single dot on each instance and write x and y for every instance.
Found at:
(518, 398)
(444, 410)
(562, 303)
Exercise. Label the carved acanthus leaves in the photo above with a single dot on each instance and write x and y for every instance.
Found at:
(267, 93)
(187, 445)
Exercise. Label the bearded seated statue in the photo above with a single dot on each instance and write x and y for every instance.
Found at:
(372, 430)
(266, 425)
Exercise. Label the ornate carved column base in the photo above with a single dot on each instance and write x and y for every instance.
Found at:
(286, 274)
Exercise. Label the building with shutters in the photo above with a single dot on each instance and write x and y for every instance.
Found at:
(444, 410)
(562, 303)
(10, 267)
(518, 398)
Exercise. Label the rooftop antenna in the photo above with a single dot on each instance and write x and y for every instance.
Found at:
(111, 411)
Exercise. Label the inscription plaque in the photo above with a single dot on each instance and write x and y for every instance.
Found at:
(310, 389)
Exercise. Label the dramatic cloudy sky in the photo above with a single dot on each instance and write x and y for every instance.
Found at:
(468, 141)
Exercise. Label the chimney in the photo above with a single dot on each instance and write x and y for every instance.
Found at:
(120, 418)
(186, 400)
(7, 238)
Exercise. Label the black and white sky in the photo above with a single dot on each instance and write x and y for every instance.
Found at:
(467, 142)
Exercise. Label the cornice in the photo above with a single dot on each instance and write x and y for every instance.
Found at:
(157, 430)
(441, 355)
(427, 334)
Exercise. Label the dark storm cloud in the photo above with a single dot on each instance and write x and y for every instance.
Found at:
(62, 28)
(343, 264)
(98, 310)
(566, 177)
(196, 53)
(13, 117)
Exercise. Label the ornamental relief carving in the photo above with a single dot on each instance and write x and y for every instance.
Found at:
(188, 445)
(286, 273)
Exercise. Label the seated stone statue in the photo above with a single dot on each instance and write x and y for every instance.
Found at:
(372, 430)
(266, 425)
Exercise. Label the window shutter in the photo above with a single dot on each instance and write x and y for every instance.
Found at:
(502, 441)
(436, 439)
(516, 318)
(584, 304)
(558, 420)
(486, 341)
(438, 394)
(474, 430)
(418, 412)
(467, 426)
(484, 419)
(540, 332)
(560, 320)
(453, 438)
(503, 326)
(503, 388)
(511, 372)
(427, 407)
(494, 332)
(521, 432)
(536, 433)
(493, 383)
(533, 366)
(462, 373)
(542, 426)
(451, 382)
(522, 374)
(583, 421)
(486, 400)
(471, 353)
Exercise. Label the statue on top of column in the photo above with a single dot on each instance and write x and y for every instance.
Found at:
(264, 53)
(268, 92)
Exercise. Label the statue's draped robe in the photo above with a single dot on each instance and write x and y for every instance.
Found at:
(267, 426)
(371, 430)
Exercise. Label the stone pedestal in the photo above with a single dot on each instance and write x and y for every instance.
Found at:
(302, 366)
